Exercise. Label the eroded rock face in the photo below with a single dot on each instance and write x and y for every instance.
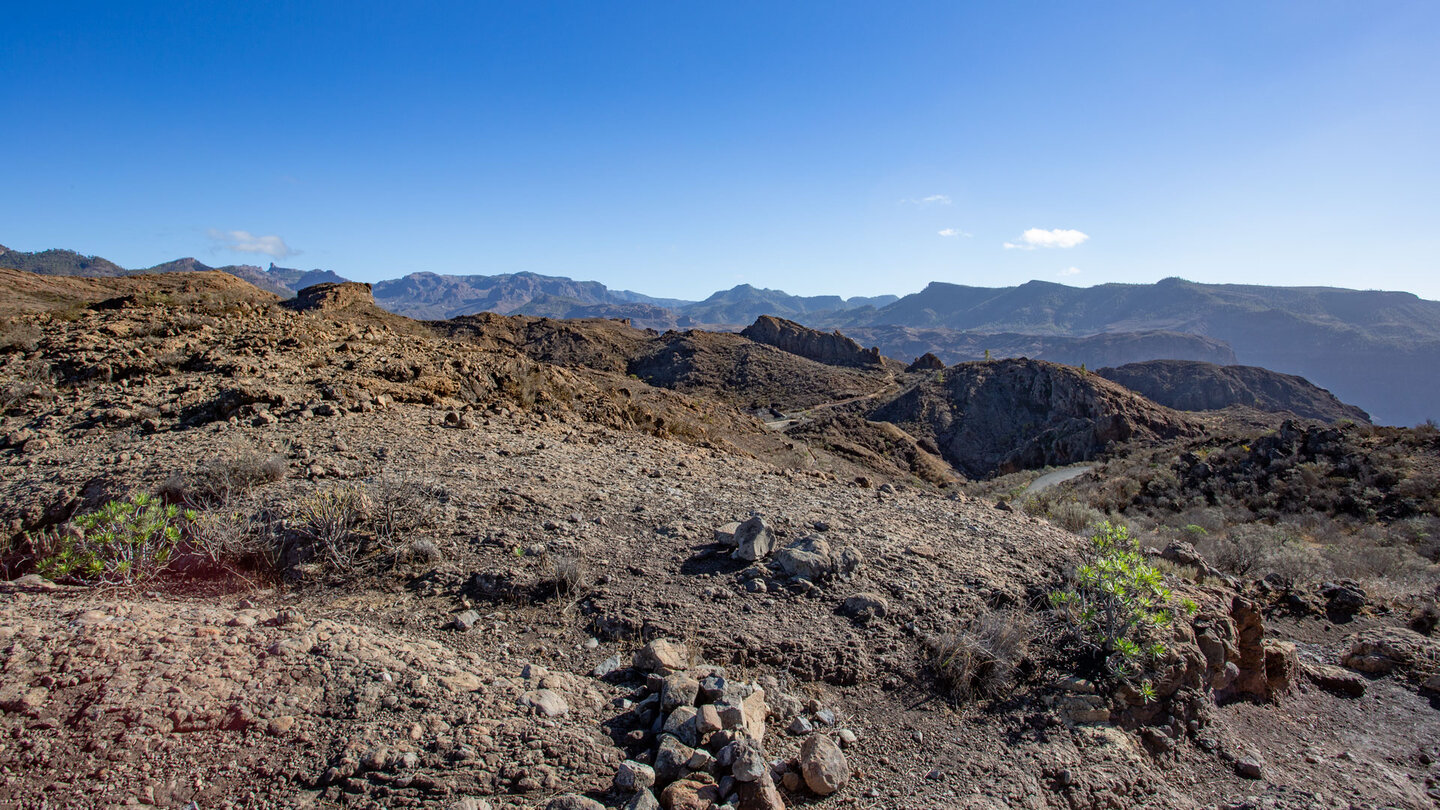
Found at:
(994, 418)
(1190, 385)
(833, 349)
(1384, 650)
(333, 296)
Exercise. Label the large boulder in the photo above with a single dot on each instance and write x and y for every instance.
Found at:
(813, 558)
(754, 539)
(823, 765)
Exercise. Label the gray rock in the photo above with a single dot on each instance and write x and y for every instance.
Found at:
(661, 655)
(681, 724)
(644, 800)
(671, 759)
(847, 737)
(609, 665)
(823, 765)
(800, 726)
(808, 558)
(632, 776)
(710, 689)
(546, 702)
(1343, 599)
(1250, 767)
(754, 539)
(465, 621)
(864, 607)
(748, 761)
(783, 705)
(701, 760)
(678, 690)
(725, 535)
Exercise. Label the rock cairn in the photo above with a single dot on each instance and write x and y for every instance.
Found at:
(702, 739)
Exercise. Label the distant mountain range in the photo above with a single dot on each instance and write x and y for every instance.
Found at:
(1379, 350)
(283, 281)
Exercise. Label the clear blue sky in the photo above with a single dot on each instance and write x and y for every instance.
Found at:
(677, 148)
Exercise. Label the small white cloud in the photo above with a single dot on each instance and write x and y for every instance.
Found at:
(1070, 271)
(953, 232)
(1041, 238)
(933, 199)
(246, 242)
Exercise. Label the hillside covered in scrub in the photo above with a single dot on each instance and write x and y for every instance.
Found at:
(266, 552)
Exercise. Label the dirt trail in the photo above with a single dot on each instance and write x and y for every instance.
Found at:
(1054, 477)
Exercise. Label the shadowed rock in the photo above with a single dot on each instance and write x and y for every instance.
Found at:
(833, 349)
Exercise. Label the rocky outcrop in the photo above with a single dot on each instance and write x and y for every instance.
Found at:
(1381, 651)
(348, 295)
(1189, 385)
(927, 362)
(833, 349)
(998, 417)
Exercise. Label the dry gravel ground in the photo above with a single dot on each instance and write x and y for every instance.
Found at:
(357, 689)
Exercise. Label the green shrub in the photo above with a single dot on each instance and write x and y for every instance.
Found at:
(1116, 598)
(122, 543)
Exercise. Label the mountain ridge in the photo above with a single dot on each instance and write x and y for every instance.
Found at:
(1362, 345)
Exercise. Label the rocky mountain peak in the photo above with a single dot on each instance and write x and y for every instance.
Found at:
(831, 349)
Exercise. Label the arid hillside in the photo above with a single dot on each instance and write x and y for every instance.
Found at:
(1196, 386)
(309, 553)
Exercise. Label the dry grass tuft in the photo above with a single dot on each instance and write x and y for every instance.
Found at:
(984, 659)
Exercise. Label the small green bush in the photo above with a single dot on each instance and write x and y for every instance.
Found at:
(122, 543)
(1116, 599)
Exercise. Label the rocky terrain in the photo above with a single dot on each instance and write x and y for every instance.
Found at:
(519, 562)
(1363, 345)
(1196, 386)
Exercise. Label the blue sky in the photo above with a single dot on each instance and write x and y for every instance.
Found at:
(677, 148)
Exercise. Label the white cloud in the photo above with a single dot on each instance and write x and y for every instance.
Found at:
(933, 199)
(952, 232)
(1069, 271)
(1041, 238)
(246, 242)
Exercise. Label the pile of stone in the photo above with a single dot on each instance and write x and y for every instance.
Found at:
(709, 732)
(800, 567)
